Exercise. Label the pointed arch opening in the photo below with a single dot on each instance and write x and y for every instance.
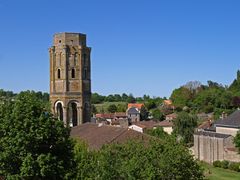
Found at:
(73, 114)
(73, 73)
(60, 111)
(59, 73)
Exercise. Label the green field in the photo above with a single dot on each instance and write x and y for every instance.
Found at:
(214, 173)
(105, 105)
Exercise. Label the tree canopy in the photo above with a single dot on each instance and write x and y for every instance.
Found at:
(33, 143)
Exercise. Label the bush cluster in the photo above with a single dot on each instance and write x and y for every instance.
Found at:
(235, 166)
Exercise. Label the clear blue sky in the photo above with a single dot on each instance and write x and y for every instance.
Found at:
(138, 46)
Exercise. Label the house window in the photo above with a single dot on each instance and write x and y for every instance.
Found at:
(73, 73)
(59, 73)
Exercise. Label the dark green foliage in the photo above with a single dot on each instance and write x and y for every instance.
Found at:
(134, 160)
(235, 86)
(224, 164)
(150, 104)
(94, 109)
(112, 108)
(184, 126)
(181, 97)
(234, 166)
(121, 107)
(131, 99)
(158, 132)
(157, 114)
(137, 160)
(86, 162)
(143, 113)
(33, 143)
(237, 141)
(217, 164)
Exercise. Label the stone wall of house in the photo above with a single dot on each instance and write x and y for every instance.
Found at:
(168, 130)
(210, 149)
(227, 130)
(232, 156)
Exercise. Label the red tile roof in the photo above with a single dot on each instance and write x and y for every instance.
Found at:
(107, 116)
(136, 105)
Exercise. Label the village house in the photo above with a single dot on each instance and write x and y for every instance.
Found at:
(214, 141)
(133, 114)
(171, 117)
(143, 126)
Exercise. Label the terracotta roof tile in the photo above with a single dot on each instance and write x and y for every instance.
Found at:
(136, 105)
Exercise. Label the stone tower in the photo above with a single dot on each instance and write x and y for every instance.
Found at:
(70, 78)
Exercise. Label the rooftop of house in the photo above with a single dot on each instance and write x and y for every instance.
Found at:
(136, 105)
(96, 135)
(120, 114)
(165, 123)
(107, 116)
(146, 124)
(212, 134)
(167, 102)
(133, 110)
(232, 121)
(205, 125)
(173, 115)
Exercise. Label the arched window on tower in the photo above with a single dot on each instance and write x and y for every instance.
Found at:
(73, 73)
(73, 115)
(59, 73)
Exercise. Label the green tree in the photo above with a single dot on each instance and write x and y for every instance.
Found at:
(33, 143)
(112, 108)
(237, 141)
(184, 126)
(181, 97)
(235, 86)
(94, 109)
(143, 113)
(158, 132)
(136, 160)
(122, 107)
(157, 114)
(131, 99)
(150, 104)
(86, 162)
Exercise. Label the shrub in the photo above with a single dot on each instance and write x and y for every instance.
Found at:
(224, 164)
(217, 164)
(234, 166)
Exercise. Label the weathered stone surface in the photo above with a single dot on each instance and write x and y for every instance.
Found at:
(70, 78)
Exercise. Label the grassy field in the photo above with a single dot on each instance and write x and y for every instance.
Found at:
(105, 105)
(213, 173)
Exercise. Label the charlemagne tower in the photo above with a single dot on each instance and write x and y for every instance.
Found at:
(70, 78)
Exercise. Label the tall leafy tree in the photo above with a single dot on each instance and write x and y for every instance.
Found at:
(112, 108)
(33, 143)
(184, 126)
(143, 113)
